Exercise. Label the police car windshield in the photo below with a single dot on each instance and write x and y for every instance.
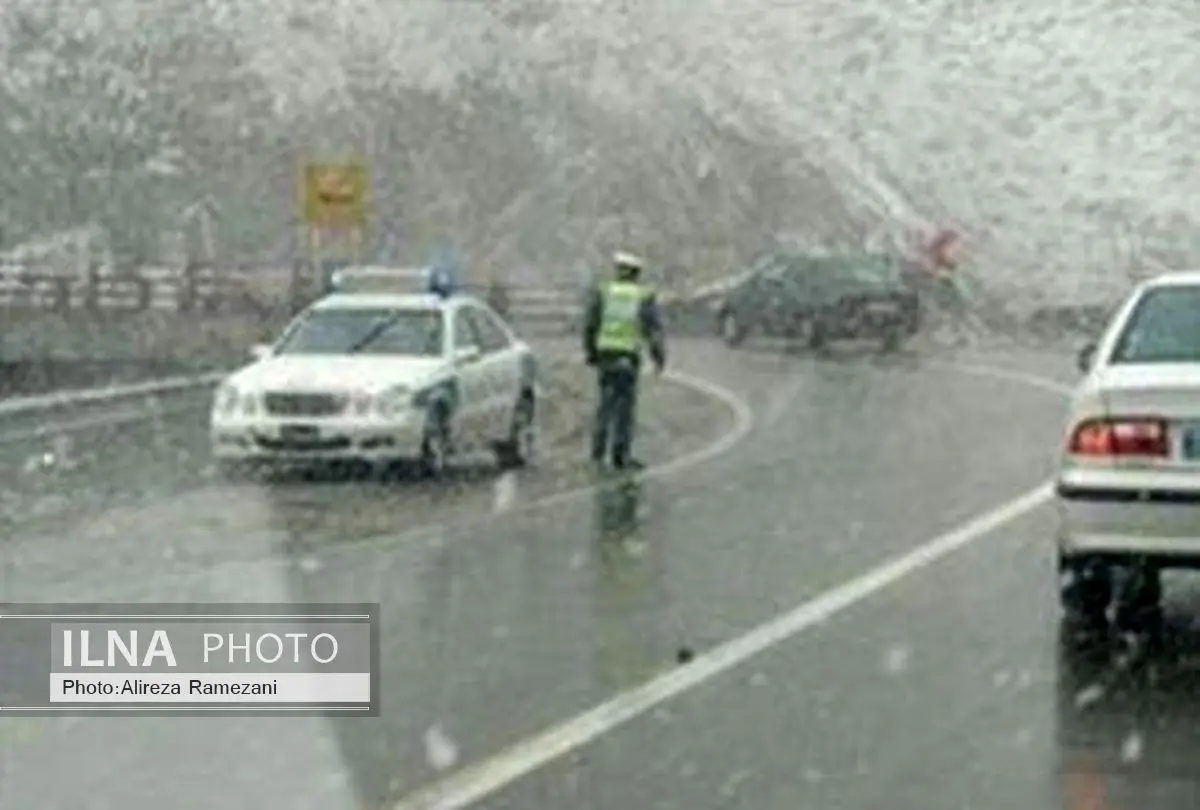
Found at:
(366, 331)
(1164, 328)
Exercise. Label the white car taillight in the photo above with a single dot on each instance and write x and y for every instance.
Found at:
(1126, 437)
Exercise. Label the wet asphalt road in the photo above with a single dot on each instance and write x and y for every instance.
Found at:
(948, 689)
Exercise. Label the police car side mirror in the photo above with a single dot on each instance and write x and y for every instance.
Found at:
(466, 354)
(1083, 360)
(260, 351)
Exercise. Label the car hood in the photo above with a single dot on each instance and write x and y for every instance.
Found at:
(340, 373)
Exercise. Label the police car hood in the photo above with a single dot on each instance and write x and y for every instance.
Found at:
(336, 373)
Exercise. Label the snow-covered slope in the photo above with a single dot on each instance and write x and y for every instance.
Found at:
(529, 127)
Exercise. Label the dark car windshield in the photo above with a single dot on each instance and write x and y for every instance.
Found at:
(366, 331)
(868, 271)
(1163, 328)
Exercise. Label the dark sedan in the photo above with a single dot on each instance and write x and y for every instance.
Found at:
(821, 299)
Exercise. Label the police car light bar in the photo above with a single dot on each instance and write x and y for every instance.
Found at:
(408, 280)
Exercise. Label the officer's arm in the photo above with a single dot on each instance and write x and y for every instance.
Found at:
(652, 327)
(592, 317)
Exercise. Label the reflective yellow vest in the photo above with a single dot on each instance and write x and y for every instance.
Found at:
(620, 322)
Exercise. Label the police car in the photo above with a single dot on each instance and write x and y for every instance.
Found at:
(394, 364)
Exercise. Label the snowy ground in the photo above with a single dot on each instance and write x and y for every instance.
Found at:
(695, 127)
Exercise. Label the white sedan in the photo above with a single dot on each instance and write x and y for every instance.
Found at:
(1128, 487)
(379, 377)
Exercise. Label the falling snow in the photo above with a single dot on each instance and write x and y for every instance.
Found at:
(897, 659)
(1131, 747)
(441, 752)
(1089, 695)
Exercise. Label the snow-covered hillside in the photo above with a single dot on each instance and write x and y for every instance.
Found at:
(533, 130)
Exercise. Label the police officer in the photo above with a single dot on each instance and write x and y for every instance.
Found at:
(622, 317)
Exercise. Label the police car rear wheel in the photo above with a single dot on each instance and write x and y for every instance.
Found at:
(818, 336)
(436, 447)
(518, 449)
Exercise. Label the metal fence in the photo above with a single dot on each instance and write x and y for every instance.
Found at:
(159, 289)
(259, 291)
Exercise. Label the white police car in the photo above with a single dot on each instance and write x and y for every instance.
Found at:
(369, 373)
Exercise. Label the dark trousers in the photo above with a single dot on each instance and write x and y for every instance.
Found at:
(616, 405)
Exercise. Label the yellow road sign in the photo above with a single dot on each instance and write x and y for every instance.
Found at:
(335, 195)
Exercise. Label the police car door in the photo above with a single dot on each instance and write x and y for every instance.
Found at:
(467, 355)
(500, 369)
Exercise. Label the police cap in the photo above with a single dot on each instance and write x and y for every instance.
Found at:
(628, 261)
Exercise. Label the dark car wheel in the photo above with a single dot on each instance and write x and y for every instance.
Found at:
(733, 331)
(818, 335)
(1085, 590)
(893, 339)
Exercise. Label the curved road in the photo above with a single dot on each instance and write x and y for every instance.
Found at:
(717, 615)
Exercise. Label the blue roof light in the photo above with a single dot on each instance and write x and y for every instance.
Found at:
(440, 281)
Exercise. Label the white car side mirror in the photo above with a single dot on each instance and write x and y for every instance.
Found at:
(260, 351)
(466, 354)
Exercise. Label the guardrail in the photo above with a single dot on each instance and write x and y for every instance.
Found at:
(553, 310)
(161, 289)
(170, 289)
(253, 291)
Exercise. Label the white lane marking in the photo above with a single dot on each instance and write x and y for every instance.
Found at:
(1007, 375)
(743, 422)
(482, 779)
(505, 491)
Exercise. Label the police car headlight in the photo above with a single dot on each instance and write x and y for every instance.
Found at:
(248, 404)
(360, 404)
(394, 402)
(227, 400)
